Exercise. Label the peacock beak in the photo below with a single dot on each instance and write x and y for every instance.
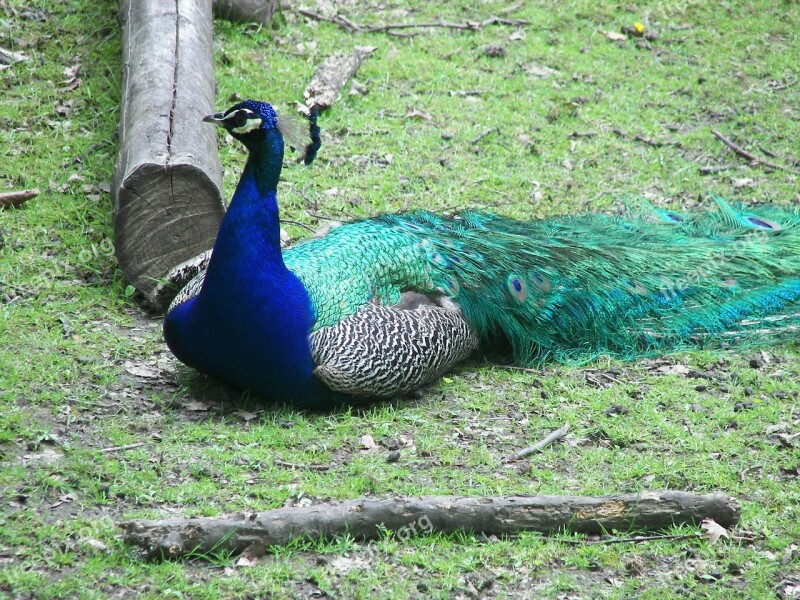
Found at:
(216, 118)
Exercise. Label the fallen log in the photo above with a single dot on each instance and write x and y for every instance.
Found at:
(330, 77)
(17, 199)
(366, 519)
(168, 178)
(246, 11)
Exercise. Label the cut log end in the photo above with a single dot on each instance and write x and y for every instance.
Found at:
(164, 216)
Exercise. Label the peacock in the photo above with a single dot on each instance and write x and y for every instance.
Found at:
(380, 306)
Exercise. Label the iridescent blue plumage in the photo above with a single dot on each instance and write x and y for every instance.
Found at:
(250, 323)
(332, 317)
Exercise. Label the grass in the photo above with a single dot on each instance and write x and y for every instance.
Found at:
(73, 344)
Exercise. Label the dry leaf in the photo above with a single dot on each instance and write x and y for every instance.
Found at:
(364, 51)
(72, 72)
(196, 406)
(743, 182)
(8, 57)
(673, 369)
(614, 36)
(247, 561)
(538, 70)
(141, 370)
(413, 113)
(713, 531)
(406, 442)
(245, 416)
(251, 554)
(790, 591)
(97, 545)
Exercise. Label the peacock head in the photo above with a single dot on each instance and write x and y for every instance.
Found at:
(251, 121)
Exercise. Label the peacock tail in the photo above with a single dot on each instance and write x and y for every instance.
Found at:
(574, 287)
(381, 306)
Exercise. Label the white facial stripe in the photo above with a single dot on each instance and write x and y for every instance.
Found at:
(249, 125)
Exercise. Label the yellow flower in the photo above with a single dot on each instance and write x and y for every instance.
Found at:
(639, 28)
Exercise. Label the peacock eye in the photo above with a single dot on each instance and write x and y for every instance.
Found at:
(239, 119)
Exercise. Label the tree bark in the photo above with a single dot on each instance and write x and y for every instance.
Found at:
(364, 519)
(168, 179)
(246, 11)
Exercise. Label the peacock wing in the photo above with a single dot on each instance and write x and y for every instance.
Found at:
(382, 351)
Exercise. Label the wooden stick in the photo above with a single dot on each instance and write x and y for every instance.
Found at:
(513, 367)
(366, 519)
(711, 169)
(298, 224)
(467, 25)
(345, 24)
(482, 135)
(17, 199)
(751, 157)
(125, 447)
(351, 27)
(289, 465)
(636, 539)
(540, 445)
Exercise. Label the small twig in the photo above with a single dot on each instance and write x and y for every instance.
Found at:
(786, 157)
(17, 199)
(555, 435)
(751, 157)
(610, 378)
(646, 141)
(125, 447)
(510, 9)
(777, 88)
(582, 134)
(289, 465)
(323, 217)
(638, 539)
(767, 152)
(521, 369)
(654, 143)
(745, 471)
(351, 27)
(742, 538)
(711, 169)
(299, 224)
(345, 24)
(773, 86)
(481, 135)
(468, 25)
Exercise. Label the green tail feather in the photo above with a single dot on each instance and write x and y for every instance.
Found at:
(571, 288)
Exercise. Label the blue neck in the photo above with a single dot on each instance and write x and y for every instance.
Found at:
(250, 323)
(250, 230)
